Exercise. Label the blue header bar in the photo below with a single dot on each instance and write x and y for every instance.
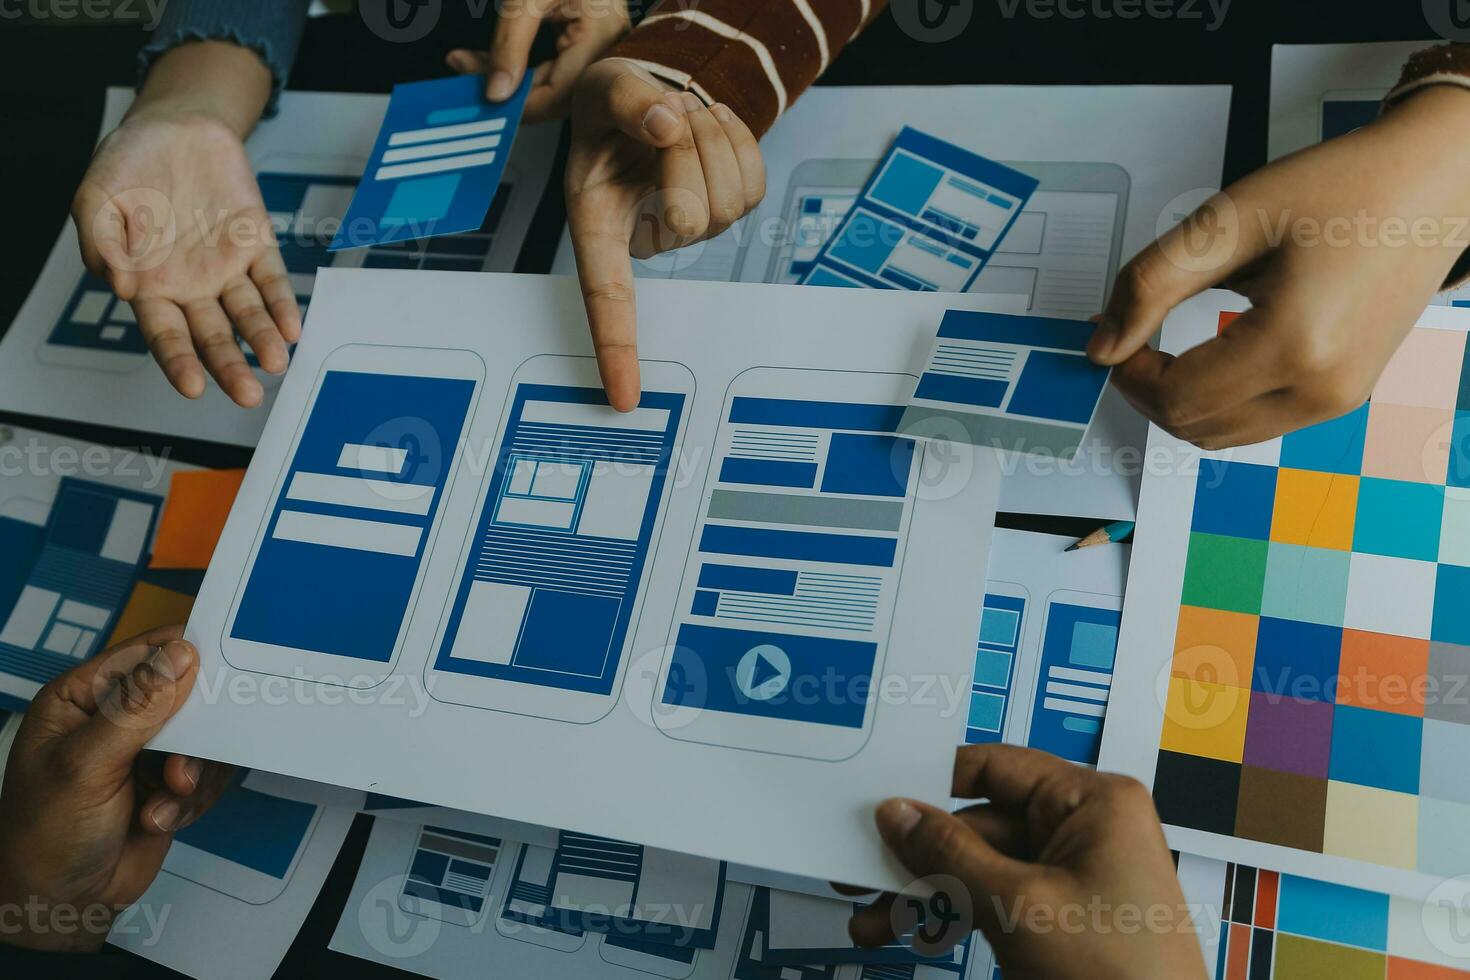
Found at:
(972, 165)
(816, 415)
(1027, 331)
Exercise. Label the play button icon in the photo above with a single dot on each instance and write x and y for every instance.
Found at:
(763, 672)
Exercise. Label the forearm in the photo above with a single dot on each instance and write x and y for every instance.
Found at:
(219, 79)
(756, 56)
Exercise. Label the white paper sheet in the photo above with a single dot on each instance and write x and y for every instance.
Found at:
(109, 379)
(1111, 166)
(1144, 675)
(795, 795)
(211, 918)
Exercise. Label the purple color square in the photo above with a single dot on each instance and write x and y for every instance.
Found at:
(1289, 734)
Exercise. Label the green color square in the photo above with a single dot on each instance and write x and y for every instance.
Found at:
(1225, 573)
(1308, 585)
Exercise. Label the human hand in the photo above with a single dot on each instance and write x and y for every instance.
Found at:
(588, 29)
(1066, 869)
(86, 816)
(1339, 248)
(170, 215)
(649, 170)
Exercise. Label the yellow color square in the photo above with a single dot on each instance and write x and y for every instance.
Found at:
(1315, 509)
(1215, 646)
(1205, 720)
(1370, 824)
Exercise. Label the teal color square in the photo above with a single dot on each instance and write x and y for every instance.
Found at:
(993, 669)
(1094, 645)
(421, 199)
(1334, 446)
(999, 626)
(1305, 584)
(986, 711)
(1452, 605)
(1398, 518)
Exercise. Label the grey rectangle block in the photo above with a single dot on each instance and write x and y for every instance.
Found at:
(788, 508)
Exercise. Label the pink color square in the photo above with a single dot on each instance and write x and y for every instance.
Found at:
(1408, 443)
(1425, 372)
(1288, 734)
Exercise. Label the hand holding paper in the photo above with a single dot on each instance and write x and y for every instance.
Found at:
(650, 170)
(1311, 241)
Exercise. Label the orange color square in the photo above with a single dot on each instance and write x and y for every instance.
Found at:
(1206, 720)
(1382, 672)
(148, 608)
(1402, 969)
(194, 516)
(1215, 646)
(1408, 443)
(1315, 509)
(1425, 371)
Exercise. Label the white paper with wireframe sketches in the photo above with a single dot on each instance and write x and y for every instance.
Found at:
(621, 777)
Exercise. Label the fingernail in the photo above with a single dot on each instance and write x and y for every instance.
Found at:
(166, 816)
(193, 769)
(722, 112)
(692, 102)
(172, 659)
(661, 122)
(1104, 339)
(675, 100)
(897, 817)
(501, 87)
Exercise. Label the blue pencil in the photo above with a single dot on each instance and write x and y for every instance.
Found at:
(1108, 534)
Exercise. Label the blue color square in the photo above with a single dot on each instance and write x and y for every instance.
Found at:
(998, 626)
(1234, 499)
(986, 711)
(253, 829)
(1094, 645)
(567, 632)
(421, 199)
(705, 603)
(1332, 913)
(1335, 446)
(993, 669)
(1057, 386)
(1459, 469)
(1452, 605)
(985, 392)
(1376, 748)
(80, 519)
(1297, 660)
(428, 866)
(1398, 518)
(865, 242)
(906, 183)
(868, 464)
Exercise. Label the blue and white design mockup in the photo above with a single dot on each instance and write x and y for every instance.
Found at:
(437, 162)
(1017, 383)
(246, 846)
(69, 582)
(997, 650)
(793, 570)
(339, 559)
(449, 875)
(595, 884)
(1079, 644)
(555, 565)
(928, 219)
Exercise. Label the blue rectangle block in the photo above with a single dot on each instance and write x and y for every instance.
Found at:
(982, 392)
(986, 711)
(1376, 748)
(705, 603)
(429, 867)
(767, 472)
(862, 464)
(1060, 387)
(742, 578)
(812, 679)
(567, 632)
(1007, 328)
(865, 244)
(844, 549)
(906, 183)
(815, 415)
(252, 829)
(1332, 913)
(972, 165)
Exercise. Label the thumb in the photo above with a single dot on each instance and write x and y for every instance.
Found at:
(135, 706)
(623, 98)
(515, 32)
(1202, 251)
(929, 841)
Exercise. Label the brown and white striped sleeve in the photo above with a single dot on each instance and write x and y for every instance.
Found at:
(756, 56)
(1446, 64)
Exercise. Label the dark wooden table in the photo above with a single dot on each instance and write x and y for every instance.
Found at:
(53, 74)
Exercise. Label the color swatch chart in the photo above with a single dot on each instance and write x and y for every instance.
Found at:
(1278, 925)
(1318, 697)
